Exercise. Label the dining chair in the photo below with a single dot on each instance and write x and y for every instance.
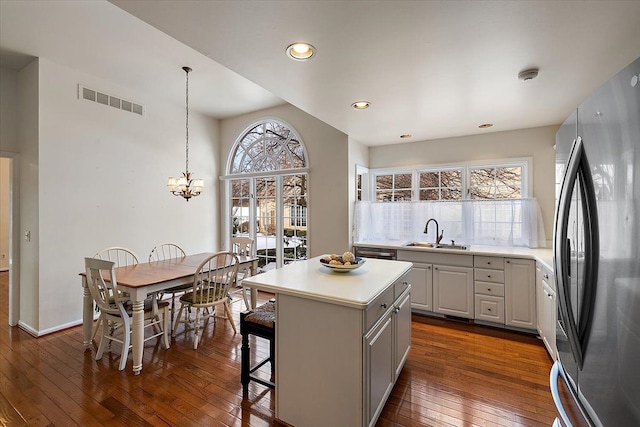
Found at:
(163, 252)
(242, 245)
(116, 309)
(166, 251)
(209, 291)
(120, 257)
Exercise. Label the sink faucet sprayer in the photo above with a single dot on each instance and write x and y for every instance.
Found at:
(438, 234)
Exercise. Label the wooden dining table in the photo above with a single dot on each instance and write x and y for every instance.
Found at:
(144, 279)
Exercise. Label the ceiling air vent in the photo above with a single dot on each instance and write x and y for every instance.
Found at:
(112, 101)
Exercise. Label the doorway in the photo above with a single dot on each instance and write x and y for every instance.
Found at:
(8, 232)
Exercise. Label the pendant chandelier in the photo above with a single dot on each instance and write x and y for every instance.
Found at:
(186, 186)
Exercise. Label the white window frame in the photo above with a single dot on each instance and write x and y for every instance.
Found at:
(252, 176)
(525, 162)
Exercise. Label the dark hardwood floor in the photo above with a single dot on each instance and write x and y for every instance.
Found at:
(456, 375)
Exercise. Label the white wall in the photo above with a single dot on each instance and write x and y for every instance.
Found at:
(536, 143)
(92, 176)
(327, 151)
(28, 131)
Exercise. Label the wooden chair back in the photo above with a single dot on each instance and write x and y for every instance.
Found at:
(166, 251)
(243, 246)
(213, 278)
(118, 255)
(103, 285)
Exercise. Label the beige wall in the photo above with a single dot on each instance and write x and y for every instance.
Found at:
(92, 176)
(536, 143)
(327, 151)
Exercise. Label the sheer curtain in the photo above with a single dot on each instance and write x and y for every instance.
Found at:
(472, 222)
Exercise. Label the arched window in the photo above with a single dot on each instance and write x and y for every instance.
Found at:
(267, 146)
(267, 187)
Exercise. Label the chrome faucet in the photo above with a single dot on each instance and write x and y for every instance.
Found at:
(438, 234)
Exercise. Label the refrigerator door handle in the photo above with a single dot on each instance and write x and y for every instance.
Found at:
(556, 374)
(562, 250)
(591, 250)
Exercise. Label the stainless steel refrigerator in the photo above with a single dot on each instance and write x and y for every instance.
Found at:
(596, 378)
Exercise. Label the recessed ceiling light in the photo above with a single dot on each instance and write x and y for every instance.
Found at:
(300, 51)
(361, 105)
(405, 135)
(485, 125)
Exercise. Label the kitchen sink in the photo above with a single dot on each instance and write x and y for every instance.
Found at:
(438, 246)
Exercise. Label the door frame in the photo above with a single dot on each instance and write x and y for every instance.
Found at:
(14, 237)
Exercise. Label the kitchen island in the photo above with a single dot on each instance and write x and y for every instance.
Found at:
(341, 339)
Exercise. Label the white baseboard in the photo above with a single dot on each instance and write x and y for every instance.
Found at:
(37, 334)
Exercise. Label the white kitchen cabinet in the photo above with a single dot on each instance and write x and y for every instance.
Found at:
(379, 369)
(455, 299)
(488, 275)
(546, 307)
(387, 346)
(402, 329)
(453, 291)
(421, 279)
(519, 293)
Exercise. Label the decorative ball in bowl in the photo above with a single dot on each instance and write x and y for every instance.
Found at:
(342, 263)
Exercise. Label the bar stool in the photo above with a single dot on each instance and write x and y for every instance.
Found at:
(260, 322)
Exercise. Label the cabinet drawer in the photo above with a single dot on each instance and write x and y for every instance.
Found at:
(378, 307)
(400, 286)
(486, 288)
(494, 263)
(484, 275)
(490, 309)
(548, 278)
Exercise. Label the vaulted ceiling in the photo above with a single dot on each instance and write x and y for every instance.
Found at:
(432, 69)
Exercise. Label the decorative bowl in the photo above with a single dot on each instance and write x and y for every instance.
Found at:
(342, 268)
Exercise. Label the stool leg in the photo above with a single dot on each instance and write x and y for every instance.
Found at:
(244, 374)
(272, 357)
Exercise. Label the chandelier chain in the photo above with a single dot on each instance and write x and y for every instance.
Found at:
(186, 168)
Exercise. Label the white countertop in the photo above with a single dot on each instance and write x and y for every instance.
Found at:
(309, 279)
(543, 255)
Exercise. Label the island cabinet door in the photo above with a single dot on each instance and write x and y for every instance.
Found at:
(402, 328)
(379, 368)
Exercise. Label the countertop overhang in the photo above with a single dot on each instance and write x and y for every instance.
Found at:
(309, 279)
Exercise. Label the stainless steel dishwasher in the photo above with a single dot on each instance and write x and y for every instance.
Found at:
(379, 253)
